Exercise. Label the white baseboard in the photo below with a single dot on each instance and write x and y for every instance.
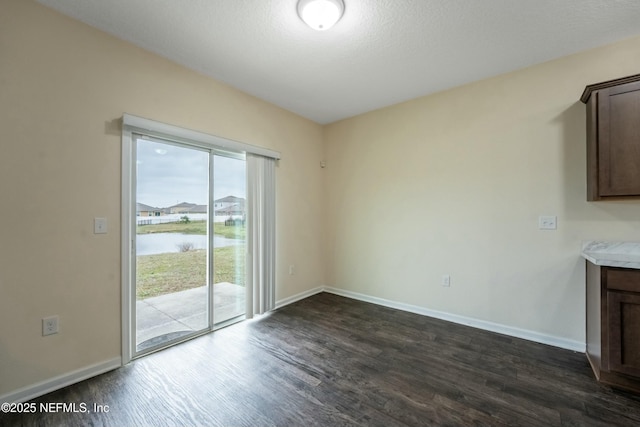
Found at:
(302, 295)
(44, 387)
(468, 321)
(56, 383)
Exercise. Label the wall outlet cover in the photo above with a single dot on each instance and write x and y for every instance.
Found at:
(548, 222)
(49, 325)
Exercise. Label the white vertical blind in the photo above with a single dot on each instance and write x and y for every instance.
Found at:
(261, 224)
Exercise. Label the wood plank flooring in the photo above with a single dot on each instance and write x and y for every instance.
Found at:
(333, 361)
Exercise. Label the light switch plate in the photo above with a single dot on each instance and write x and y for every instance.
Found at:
(99, 225)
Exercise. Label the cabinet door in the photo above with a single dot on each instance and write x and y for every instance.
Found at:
(624, 332)
(619, 140)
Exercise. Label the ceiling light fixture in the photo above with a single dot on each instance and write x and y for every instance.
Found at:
(320, 14)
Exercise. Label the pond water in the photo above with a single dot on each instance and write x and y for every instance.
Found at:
(160, 243)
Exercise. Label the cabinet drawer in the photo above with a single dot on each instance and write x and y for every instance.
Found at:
(623, 279)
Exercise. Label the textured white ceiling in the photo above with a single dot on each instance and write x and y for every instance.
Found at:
(380, 53)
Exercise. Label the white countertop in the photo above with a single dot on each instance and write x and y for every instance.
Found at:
(612, 254)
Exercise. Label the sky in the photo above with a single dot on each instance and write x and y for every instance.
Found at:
(168, 174)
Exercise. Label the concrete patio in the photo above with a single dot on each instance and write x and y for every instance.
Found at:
(166, 317)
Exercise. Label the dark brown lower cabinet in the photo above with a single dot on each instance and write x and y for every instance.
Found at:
(613, 325)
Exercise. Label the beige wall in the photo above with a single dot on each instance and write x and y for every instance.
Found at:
(454, 183)
(63, 88)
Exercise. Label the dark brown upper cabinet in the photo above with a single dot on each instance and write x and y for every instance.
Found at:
(613, 138)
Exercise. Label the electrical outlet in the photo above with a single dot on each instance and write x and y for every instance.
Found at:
(446, 280)
(292, 270)
(49, 325)
(547, 222)
(100, 226)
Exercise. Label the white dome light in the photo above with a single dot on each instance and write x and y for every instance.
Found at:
(320, 14)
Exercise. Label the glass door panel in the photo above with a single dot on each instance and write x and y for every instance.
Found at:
(229, 190)
(172, 299)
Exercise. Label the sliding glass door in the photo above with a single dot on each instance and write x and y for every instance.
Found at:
(189, 254)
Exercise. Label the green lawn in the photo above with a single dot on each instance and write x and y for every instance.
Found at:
(161, 274)
(194, 227)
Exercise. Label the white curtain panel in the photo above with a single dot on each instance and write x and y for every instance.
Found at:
(261, 224)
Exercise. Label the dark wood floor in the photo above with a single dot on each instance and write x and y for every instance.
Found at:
(332, 361)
